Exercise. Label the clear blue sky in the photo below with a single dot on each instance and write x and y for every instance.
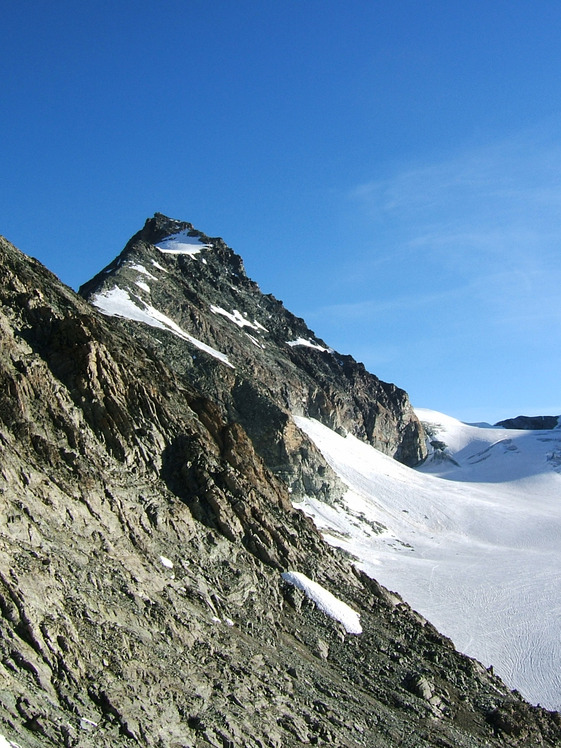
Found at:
(390, 170)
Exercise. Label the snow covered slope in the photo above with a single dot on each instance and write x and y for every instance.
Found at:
(472, 539)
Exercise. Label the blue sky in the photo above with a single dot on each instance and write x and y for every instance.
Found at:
(391, 171)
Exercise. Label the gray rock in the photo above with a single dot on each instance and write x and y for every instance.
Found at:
(114, 457)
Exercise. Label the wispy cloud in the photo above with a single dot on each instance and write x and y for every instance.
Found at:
(487, 219)
(374, 308)
(523, 169)
(453, 285)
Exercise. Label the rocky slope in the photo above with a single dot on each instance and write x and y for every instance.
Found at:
(142, 541)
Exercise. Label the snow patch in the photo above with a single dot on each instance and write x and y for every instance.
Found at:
(182, 244)
(157, 265)
(308, 344)
(166, 562)
(234, 316)
(326, 601)
(142, 269)
(5, 743)
(116, 302)
(86, 724)
(143, 286)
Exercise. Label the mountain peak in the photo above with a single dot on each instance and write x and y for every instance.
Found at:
(162, 235)
(193, 299)
(161, 227)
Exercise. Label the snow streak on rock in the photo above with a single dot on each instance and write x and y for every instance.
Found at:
(236, 317)
(307, 344)
(182, 244)
(117, 303)
(326, 601)
(142, 269)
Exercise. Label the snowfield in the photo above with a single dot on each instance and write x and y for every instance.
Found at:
(472, 539)
(182, 244)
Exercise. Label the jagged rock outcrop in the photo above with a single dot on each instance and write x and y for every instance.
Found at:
(141, 543)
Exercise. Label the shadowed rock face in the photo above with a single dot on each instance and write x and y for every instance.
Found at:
(142, 538)
(531, 423)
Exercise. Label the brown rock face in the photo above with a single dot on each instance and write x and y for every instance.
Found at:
(142, 538)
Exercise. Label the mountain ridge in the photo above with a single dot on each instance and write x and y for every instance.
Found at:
(204, 294)
(142, 541)
(533, 423)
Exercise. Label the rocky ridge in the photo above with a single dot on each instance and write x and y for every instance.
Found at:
(142, 540)
(276, 366)
(535, 423)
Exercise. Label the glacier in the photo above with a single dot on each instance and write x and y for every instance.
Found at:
(470, 539)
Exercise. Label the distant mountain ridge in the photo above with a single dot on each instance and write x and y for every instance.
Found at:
(470, 538)
(533, 423)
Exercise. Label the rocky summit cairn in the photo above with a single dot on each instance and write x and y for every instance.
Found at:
(157, 588)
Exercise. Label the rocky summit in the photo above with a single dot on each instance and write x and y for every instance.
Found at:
(157, 587)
